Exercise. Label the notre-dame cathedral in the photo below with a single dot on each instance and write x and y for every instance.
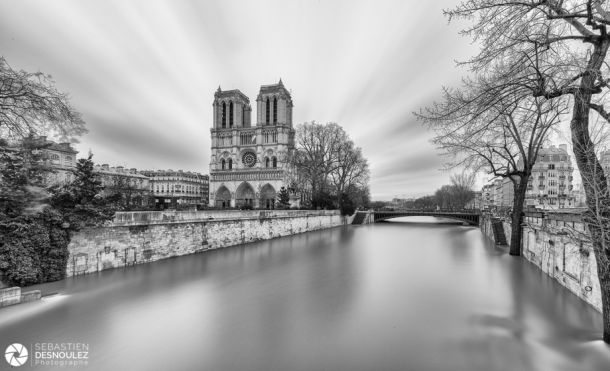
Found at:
(249, 163)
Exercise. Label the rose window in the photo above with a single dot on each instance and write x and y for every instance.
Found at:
(249, 159)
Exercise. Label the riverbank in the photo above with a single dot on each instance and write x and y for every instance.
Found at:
(14, 295)
(143, 237)
(558, 244)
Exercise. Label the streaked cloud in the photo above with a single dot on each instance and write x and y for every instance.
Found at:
(144, 72)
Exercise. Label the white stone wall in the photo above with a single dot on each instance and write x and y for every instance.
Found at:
(96, 249)
(566, 258)
(560, 249)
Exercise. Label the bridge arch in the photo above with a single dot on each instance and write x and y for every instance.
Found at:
(472, 218)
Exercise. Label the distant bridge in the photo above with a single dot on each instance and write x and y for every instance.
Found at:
(365, 217)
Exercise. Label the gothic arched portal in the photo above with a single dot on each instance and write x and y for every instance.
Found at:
(268, 197)
(223, 197)
(244, 196)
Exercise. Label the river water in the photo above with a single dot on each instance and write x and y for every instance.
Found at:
(389, 296)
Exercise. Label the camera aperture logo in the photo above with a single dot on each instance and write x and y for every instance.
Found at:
(16, 354)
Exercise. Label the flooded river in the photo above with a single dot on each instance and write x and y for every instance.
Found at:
(389, 296)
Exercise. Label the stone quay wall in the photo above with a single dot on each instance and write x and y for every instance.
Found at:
(143, 237)
(557, 242)
(14, 295)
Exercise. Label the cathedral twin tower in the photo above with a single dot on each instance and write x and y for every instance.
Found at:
(249, 164)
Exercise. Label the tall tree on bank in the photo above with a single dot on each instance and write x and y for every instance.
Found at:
(501, 136)
(350, 173)
(463, 184)
(315, 156)
(283, 199)
(331, 169)
(31, 105)
(80, 203)
(567, 41)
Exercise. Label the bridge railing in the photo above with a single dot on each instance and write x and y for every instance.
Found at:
(457, 211)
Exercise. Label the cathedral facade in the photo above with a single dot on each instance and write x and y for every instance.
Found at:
(249, 162)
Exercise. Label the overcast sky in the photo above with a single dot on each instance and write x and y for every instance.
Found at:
(143, 73)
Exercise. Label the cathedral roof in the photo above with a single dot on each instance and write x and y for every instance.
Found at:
(274, 88)
(231, 93)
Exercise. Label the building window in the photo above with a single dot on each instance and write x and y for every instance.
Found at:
(274, 110)
(551, 166)
(222, 162)
(224, 115)
(55, 158)
(231, 114)
(267, 112)
(230, 163)
(266, 161)
(274, 162)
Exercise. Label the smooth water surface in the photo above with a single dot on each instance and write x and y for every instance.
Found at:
(388, 296)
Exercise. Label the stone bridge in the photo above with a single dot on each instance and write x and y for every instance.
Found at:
(364, 217)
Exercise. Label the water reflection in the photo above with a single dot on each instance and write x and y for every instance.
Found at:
(391, 296)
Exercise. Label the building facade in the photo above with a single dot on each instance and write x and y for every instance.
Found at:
(60, 158)
(476, 202)
(550, 185)
(497, 192)
(171, 189)
(249, 163)
(487, 196)
(133, 187)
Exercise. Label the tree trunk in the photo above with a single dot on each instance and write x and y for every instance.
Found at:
(340, 200)
(517, 216)
(594, 180)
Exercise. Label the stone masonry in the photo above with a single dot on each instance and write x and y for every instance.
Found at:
(558, 244)
(136, 239)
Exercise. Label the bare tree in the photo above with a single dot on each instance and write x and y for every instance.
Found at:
(351, 171)
(30, 104)
(567, 42)
(329, 165)
(498, 134)
(315, 156)
(462, 185)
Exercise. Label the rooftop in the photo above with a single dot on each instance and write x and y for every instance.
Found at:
(231, 93)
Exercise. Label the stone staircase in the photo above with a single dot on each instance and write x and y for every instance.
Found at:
(498, 230)
(359, 218)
